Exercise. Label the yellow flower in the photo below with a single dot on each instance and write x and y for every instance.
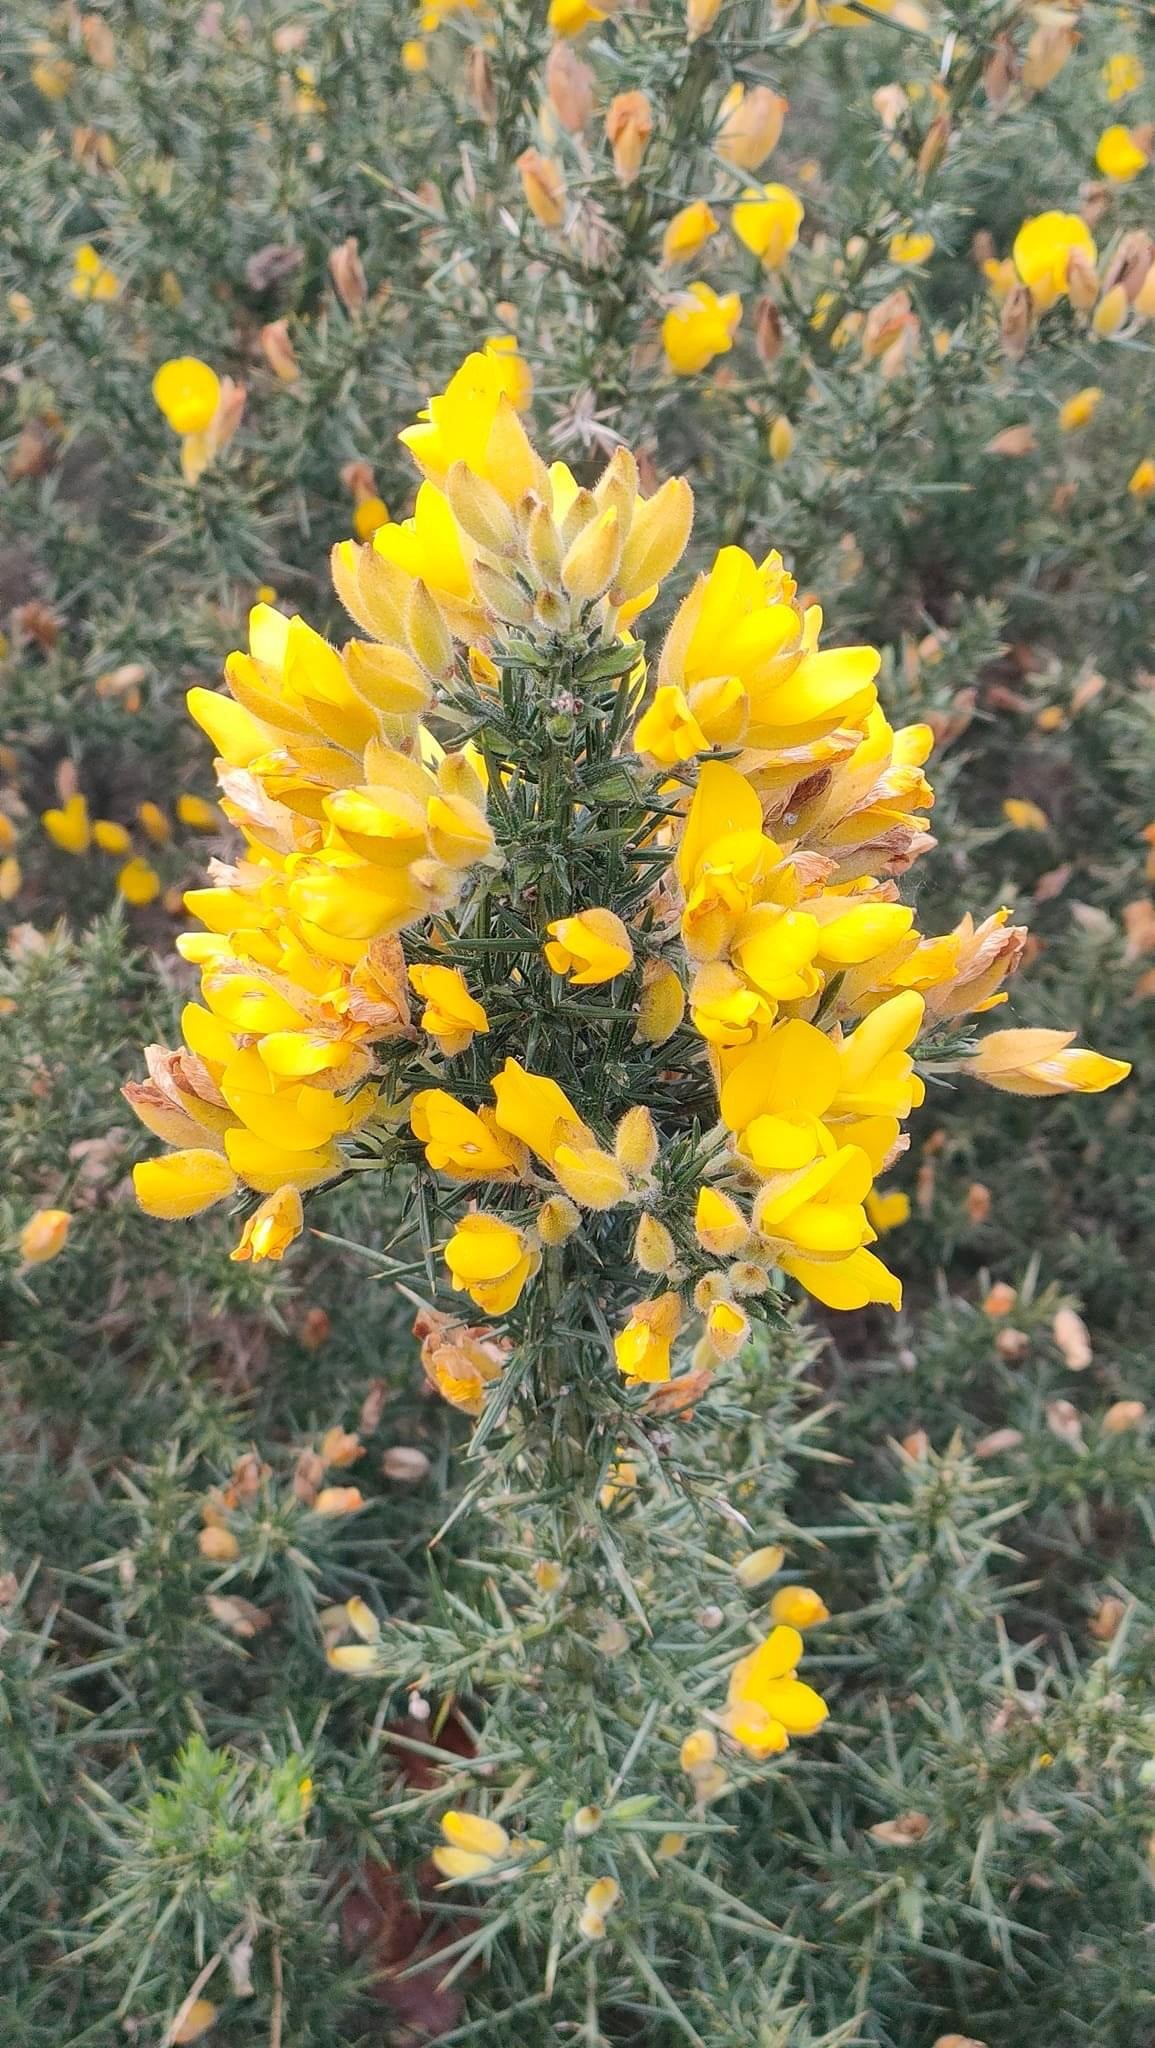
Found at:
(459, 1141)
(187, 392)
(688, 231)
(271, 1228)
(749, 125)
(1122, 74)
(1025, 816)
(642, 1348)
(182, 1183)
(111, 837)
(1119, 156)
(514, 372)
(1040, 1062)
(44, 1236)
(767, 219)
(569, 17)
(719, 1225)
(699, 327)
(91, 277)
(727, 1328)
(1043, 249)
(369, 513)
(910, 247)
(451, 1014)
(798, 1607)
(414, 56)
(591, 947)
(490, 1260)
(766, 1702)
(138, 883)
(1078, 410)
(481, 1837)
(155, 823)
(1141, 482)
(68, 827)
(886, 1209)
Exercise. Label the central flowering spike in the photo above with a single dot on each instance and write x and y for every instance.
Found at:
(615, 963)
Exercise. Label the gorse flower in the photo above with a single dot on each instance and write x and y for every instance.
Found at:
(658, 1040)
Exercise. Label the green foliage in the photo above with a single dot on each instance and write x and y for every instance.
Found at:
(972, 1511)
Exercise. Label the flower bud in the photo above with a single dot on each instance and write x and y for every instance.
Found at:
(700, 17)
(727, 1328)
(781, 439)
(278, 351)
(629, 126)
(798, 1607)
(557, 1219)
(219, 1546)
(570, 86)
(479, 83)
(590, 564)
(348, 275)
(636, 1142)
(44, 1236)
(759, 1565)
(654, 1248)
(1110, 312)
(543, 185)
(698, 1750)
(662, 1005)
(1124, 1415)
(405, 1462)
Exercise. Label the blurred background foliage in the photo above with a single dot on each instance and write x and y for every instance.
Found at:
(322, 199)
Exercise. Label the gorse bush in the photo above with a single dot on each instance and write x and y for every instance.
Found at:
(634, 1543)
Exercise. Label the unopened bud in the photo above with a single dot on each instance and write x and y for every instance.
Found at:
(629, 126)
(1124, 1415)
(654, 1248)
(570, 86)
(405, 1462)
(348, 275)
(636, 1141)
(781, 439)
(543, 186)
(277, 349)
(759, 1565)
(557, 1219)
(479, 83)
(1110, 312)
(1015, 323)
(662, 1005)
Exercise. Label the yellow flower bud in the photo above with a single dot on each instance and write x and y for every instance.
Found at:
(654, 1248)
(592, 560)
(138, 883)
(781, 438)
(636, 1141)
(590, 1175)
(700, 17)
(759, 1565)
(798, 1607)
(662, 1005)
(557, 1219)
(719, 1225)
(629, 126)
(1141, 482)
(1078, 410)
(271, 1228)
(355, 1660)
(111, 837)
(669, 1845)
(698, 1749)
(44, 1236)
(1111, 311)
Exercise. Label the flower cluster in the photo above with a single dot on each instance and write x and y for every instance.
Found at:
(657, 1000)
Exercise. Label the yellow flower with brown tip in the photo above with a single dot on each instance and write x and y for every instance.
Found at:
(272, 1227)
(591, 947)
(490, 1260)
(451, 1015)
